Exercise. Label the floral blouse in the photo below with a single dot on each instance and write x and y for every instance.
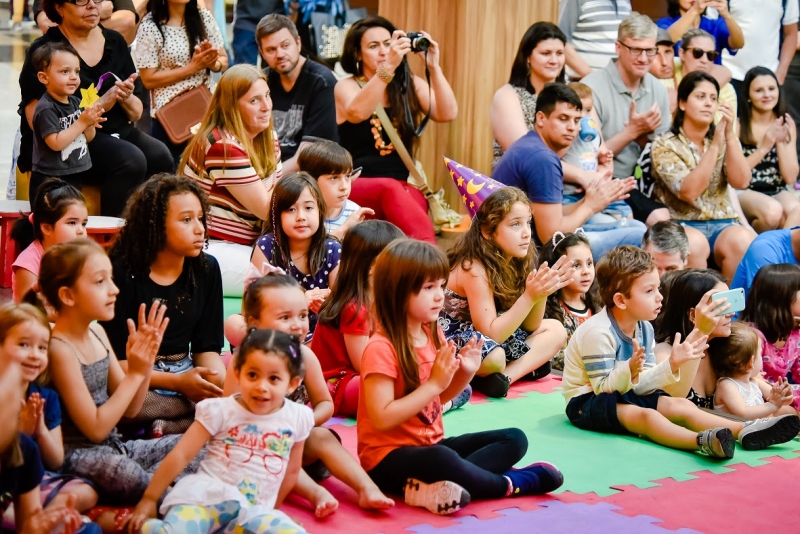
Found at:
(673, 158)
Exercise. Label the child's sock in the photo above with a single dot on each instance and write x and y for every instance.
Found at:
(538, 478)
(460, 400)
(717, 443)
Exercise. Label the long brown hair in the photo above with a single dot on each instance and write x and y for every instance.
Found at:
(402, 269)
(223, 113)
(769, 302)
(287, 191)
(351, 63)
(506, 277)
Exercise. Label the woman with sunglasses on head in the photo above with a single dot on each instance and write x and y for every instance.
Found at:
(698, 52)
(768, 136)
(122, 156)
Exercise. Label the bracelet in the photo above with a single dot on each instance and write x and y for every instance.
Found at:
(384, 74)
(217, 66)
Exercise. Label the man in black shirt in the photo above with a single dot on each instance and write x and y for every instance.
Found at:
(302, 90)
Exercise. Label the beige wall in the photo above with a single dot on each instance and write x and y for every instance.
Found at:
(478, 40)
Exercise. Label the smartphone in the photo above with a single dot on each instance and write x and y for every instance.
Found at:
(735, 299)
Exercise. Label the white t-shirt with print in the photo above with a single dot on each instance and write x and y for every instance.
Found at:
(246, 457)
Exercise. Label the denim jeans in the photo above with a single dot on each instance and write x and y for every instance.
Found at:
(604, 240)
(245, 48)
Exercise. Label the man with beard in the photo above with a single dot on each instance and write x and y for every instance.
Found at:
(301, 90)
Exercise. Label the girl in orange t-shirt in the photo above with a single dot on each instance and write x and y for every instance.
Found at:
(408, 373)
(344, 319)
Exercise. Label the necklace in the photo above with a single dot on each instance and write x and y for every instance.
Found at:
(377, 133)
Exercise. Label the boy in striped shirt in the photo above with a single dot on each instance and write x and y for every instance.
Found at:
(612, 380)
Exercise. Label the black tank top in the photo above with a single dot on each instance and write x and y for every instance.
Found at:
(359, 140)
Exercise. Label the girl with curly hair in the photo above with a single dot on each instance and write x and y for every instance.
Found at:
(159, 257)
(495, 290)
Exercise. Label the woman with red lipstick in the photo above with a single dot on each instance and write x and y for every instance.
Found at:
(540, 60)
(693, 164)
(768, 136)
(375, 54)
(159, 256)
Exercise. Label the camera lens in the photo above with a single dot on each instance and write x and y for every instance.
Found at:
(419, 43)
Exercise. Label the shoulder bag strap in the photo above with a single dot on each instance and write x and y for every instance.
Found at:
(415, 177)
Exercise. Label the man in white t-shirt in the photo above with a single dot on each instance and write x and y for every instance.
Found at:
(762, 23)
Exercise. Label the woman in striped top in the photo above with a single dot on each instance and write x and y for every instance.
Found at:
(235, 157)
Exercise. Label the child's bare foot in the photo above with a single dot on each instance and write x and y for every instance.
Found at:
(371, 498)
(323, 502)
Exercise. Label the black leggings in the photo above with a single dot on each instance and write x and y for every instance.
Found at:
(473, 461)
(118, 167)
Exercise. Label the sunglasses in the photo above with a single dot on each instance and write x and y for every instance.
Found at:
(712, 55)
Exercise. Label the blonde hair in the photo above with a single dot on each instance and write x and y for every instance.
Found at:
(223, 113)
(581, 89)
(12, 314)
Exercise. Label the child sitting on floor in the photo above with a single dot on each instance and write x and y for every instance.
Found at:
(611, 381)
(276, 301)
(297, 241)
(345, 321)
(736, 360)
(332, 167)
(496, 291)
(59, 214)
(773, 308)
(254, 442)
(408, 371)
(61, 130)
(573, 304)
(24, 336)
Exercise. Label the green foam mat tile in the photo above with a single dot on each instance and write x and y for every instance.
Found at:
(590, 461)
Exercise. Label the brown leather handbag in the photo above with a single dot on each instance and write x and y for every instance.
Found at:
(184, 113)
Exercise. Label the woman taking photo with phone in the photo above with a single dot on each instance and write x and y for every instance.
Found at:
(375, 54)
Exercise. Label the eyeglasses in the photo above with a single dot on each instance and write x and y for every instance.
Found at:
(81, 3)
(636, 52)
(712, 55)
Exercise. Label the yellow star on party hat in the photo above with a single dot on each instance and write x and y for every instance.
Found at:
(473, 186)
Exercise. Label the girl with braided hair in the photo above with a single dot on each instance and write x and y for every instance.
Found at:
(159, 256)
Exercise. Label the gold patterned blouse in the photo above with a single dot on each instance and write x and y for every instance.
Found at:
(674, 157)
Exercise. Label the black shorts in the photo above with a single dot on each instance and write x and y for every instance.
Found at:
(641, 205)
(598, 413)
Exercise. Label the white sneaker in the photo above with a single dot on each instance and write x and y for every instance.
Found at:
(441, 498)
(761, 433)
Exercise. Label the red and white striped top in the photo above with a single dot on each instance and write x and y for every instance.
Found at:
(230, 220)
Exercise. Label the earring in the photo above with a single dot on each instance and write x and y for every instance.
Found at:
(358, 67)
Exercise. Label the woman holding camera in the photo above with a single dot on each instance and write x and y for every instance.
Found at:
(374, 53)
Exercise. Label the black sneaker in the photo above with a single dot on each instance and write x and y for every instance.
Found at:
(441, 498)
(494, 385)
(761, 433)
(541, 372)
(536, 479)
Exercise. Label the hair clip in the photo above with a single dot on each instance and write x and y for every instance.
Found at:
(580, 231)
(30, 217)
(556, 239)
(293, 352)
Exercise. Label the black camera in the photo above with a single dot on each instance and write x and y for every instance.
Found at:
(419, 43)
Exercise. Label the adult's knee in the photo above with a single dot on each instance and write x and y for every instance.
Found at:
(661, 214)
(699, 250)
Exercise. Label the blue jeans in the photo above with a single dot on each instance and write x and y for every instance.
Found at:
(245, 48)
(603, 241)
(711, 228)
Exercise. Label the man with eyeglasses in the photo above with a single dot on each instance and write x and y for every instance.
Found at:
(631, 103)
(118, 15)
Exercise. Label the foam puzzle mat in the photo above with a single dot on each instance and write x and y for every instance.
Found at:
(614, 484)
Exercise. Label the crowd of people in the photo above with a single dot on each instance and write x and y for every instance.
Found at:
(645, 244)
